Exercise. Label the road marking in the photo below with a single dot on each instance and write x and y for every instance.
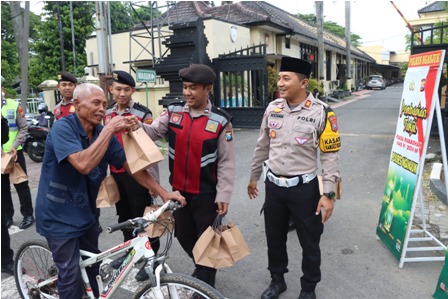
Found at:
(14, 229)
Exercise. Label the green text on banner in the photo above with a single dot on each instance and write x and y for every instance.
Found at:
(409, 143)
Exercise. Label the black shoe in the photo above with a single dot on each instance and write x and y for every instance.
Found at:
(307, 295)
(8, 269)
(26, 222)
(277, 286)
(8, 222)
(141, 274)
(115, 264)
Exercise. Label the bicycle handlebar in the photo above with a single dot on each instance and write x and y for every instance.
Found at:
(148, 217)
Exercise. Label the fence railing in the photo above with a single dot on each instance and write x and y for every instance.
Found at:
(31, 104)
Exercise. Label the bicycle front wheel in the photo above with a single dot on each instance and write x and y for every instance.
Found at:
(33, 265)
(179, 286)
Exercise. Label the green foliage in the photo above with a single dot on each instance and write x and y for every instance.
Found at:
(272, 82)
(332, 27)
(10, 59)
(47, 61)
(314, 84)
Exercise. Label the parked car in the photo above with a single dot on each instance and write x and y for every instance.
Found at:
(376, 81)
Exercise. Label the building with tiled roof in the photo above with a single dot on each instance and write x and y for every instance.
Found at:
(235, 26)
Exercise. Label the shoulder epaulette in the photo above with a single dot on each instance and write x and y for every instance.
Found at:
(177, 103)
(142, 108)
(222, 112)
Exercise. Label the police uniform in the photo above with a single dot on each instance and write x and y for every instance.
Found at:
(133, 197)
(201, 163)
(289, 143)
(18, 128)
(64, 108)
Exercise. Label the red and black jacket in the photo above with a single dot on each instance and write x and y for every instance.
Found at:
(193, 148)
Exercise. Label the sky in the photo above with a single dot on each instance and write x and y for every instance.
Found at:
(377, 22)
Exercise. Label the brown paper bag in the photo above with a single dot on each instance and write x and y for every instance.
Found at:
(140, 150)
(338, 190)
(211, 251)
(108, 195)
(17, 175)
(234, 240)
(7, 163)
(164, 223)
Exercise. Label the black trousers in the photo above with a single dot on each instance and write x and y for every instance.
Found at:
(133, 200)
(7, 253)
(23, 191)
(193, 219)
(299, 203)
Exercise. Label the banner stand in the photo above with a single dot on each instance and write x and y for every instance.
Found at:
(414, 236)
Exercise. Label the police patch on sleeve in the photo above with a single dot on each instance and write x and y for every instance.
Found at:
(330, 141)
(229, 136)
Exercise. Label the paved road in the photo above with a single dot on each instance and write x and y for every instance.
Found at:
(354, 263)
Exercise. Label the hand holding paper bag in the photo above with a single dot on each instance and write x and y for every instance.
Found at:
(140, 150)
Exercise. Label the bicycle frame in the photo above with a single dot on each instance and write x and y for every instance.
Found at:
(139, 247)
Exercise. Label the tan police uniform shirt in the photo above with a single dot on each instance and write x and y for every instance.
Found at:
(226, 152)
(289, 141)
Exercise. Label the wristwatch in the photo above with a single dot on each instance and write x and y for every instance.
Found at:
(330, 195)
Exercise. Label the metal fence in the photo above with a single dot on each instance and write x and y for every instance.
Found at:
(31, 104)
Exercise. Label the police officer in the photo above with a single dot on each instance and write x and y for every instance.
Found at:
(7, 253)
(18, 127)
(296, 129)
(201, 158)
(133, 197)
(66, 86)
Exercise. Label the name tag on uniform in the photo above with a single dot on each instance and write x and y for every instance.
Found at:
(212, 126)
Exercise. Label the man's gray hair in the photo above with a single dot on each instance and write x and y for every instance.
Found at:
(83, 90)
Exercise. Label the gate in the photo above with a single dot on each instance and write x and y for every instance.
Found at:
(241, 85)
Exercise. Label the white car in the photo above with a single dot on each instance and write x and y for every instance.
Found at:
(376, 81)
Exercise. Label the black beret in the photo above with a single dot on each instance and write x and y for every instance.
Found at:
(123, 78)
(295, 65)
(198, 73)
(64, 76)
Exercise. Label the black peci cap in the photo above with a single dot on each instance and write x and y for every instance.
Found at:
(295, 65)
(198, 73)
(123, 78)
(64, 76)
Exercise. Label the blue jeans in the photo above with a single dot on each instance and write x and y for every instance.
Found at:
(66, 257)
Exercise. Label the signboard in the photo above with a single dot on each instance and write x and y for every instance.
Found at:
(146, 76)
(410, 142)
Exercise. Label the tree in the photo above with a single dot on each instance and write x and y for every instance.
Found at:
(21, 26)
(332, 27)
(10, 60)
(47, 59)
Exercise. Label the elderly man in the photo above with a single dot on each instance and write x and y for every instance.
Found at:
(72, 171)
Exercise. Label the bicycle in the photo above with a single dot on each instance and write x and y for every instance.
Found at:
(36, 275)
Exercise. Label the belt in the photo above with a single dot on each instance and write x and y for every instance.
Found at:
(290, 182)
